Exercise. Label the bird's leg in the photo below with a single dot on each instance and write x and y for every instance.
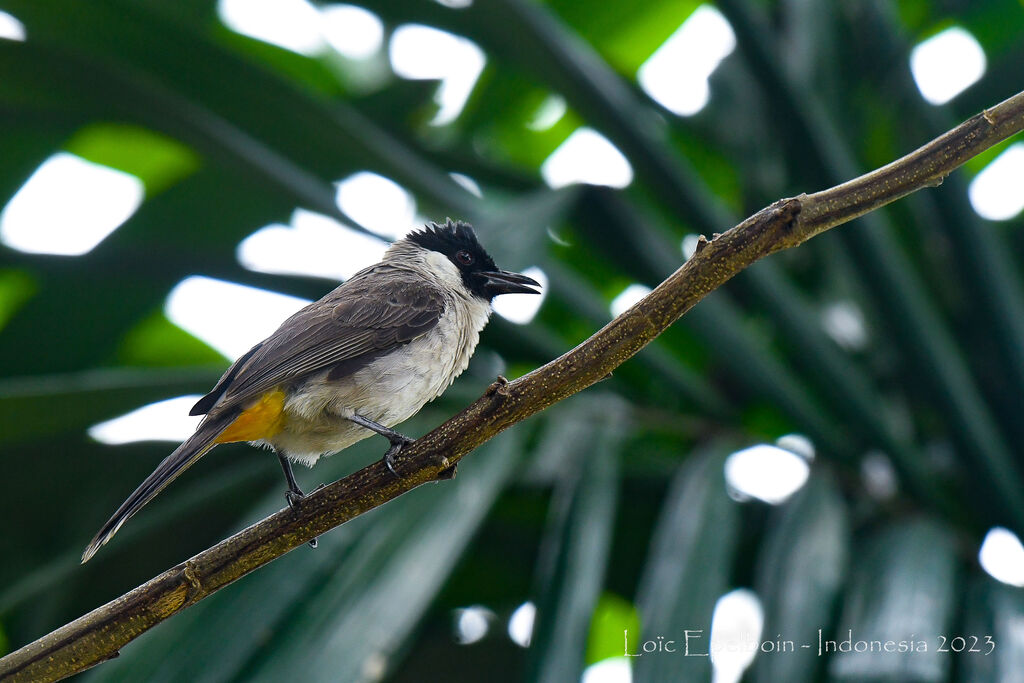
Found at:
(294, 493)
(397, 440)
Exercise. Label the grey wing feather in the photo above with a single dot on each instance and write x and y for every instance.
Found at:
(206, 403)
(358, 321)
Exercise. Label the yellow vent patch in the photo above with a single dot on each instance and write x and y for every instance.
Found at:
(261, 420)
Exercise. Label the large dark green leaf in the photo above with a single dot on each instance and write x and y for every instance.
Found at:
(801, 569)
(900, 605)
(40, 406)
(888, 274)
(688, 568)
(578, 540)
(993, 643)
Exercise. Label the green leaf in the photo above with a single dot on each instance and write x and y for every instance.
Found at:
(128, 276)
(613, 617)
(157, 342)
(991, 279)
(231, 106)
(903, 596)
(896, 290)
(64, 567)
(688, 568)
(993, 650)
(156, 160)
(577, 543)
(801, 569)
(528, 34)
(837, 377)
(582, 301)
(47, 405)
(638, 245)
(632, 37)
(16, 287)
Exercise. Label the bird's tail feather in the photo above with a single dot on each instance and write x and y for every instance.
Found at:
(195, 447)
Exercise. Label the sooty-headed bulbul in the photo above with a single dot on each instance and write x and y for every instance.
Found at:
(360, 360)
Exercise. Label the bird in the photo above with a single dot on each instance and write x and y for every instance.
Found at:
(364, 358)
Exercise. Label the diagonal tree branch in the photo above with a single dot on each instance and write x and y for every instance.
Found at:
(98, 635)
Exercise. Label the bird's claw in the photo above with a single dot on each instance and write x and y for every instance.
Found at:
(293, 496)
(397, 444)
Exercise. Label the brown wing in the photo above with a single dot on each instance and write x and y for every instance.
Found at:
(374, 312)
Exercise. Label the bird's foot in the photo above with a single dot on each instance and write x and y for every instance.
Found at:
(398, 442)
(293, 496)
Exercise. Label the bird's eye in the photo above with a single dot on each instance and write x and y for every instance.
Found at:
(464, 257)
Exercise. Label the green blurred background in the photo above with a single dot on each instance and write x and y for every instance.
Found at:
(862, 393)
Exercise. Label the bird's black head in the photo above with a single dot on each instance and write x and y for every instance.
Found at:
(480, 275)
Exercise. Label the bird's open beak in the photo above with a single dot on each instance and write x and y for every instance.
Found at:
(504, 282)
